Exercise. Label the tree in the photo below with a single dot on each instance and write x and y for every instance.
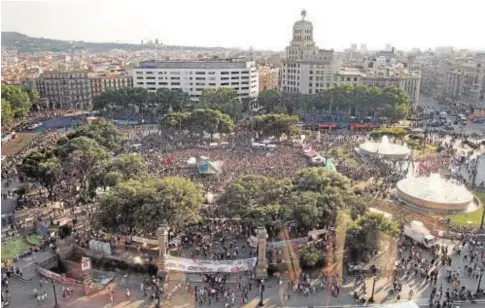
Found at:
(210, 121)
(7, 113)
(172, 99)
(256, 199)
(318, 179)
(366, 232)
(222, 99)
(18, 99)
(144, 205)
(270, 101)
(43, 167)
(177, 120)
(121, 168)
(104, 133)
(310, 257)
(82, 157)
(274, 124)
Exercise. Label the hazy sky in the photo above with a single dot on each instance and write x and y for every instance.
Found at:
(263, 24)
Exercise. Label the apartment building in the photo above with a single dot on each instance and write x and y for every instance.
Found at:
(193, 77)
(65, 89)
(102, 82)
(268, 78)
(306, 69)
(408, 81)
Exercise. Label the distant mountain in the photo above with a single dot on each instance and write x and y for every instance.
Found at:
(25, 43)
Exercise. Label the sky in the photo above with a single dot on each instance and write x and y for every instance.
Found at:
(262, 24)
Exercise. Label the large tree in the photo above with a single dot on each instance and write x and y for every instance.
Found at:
(43, 167)
(7, 113)
(18, 99)
(81, 157)
(274, 124)
(210, 121)
(143, 205)
(270, 101)
(120, 168)
(104, 133)
(222, 99)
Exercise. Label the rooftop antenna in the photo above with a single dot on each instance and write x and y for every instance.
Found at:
(303, 14)
(251, 53)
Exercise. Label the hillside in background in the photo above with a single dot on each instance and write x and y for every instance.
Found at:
(25, 43)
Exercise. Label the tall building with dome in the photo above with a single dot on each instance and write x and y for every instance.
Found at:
(307, 69)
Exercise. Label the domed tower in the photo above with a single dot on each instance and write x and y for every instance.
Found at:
(303, 32)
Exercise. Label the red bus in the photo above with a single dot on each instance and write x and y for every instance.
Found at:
(328, 126)
(357, 127)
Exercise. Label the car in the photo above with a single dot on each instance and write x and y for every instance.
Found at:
(34, 126)
(455, 122)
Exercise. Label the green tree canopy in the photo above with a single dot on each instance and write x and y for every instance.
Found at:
(18, 99)
(274, 124)
(145, 204)
(177, 120)
(7, 113)
(222, 99)
(271, 101)
(210, 121)
(310, 257)
(42, 166)
(104, 133)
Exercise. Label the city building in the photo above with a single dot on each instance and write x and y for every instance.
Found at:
(407, 80)
(268, 78)
(306, 68)
(102, 82)
(193, 77)
(65, 89)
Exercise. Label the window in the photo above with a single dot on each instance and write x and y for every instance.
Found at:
(151, 89)
(234, 83)
(199, 89)
(200, 73)
(151, 83)
(234, 77)
(139, 83)
(149, 73)
(150, 78)
(245, 88)
(311, 78)
(199, 78)
(212, 84)
(234, 72)
(224, 78)
(224, 83)
(174, 78)
(310, 84)
(163, 83)
(175, 84)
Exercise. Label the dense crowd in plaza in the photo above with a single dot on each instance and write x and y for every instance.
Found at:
(168, 155)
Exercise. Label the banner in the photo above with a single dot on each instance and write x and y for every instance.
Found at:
(144, 240)
(59, 278)
(209, 266)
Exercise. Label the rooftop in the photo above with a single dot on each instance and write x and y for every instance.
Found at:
(216, 64)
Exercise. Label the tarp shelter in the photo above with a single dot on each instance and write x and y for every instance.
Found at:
(209, 167)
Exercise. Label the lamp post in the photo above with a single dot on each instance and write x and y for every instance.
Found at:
(261, 289)
(371, 299)
(56, 305)
(479, 281)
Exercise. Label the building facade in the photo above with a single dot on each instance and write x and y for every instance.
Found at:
(65, 89)
(268, 78)
(306, 69)
(193, 77)
(102, 82)
(408, 82)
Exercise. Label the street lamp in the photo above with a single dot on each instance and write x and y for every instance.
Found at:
(479, 281)
(261, 289)
(56, 305)
(371, 299)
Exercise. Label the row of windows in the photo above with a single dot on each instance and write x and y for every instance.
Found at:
(190, 72)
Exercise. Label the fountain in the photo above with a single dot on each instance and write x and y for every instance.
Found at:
(435, 194)
(384, 149)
